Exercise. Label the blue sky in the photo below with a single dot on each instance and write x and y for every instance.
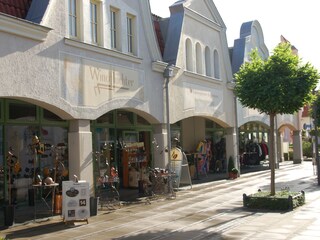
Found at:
(298, 21)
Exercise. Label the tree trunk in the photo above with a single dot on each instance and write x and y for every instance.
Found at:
(271, 155)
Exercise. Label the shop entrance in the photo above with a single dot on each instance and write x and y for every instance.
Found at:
(253, 143)
(122, 141)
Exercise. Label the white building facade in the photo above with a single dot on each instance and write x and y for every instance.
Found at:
(78, 75)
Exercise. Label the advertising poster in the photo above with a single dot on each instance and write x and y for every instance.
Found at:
(76, 200)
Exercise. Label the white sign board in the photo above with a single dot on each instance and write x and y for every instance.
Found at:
(75, 200)
(179, 165)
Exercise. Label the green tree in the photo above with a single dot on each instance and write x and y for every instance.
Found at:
(315, 110)
(279, 85)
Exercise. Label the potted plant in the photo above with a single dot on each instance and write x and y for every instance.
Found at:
(232, 170)
(234, 173)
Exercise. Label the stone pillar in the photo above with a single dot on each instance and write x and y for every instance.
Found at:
(280, 147)
(159, 145)
(80, 151)
(297, 147)
(232, 146)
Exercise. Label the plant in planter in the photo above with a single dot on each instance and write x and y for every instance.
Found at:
(232, 170)
(284, 200)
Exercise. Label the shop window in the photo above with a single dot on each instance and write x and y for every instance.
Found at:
(176, 125)
(22, 111)
(1, 146)
(125, 118)
(106, 118)
(1, 166)
(130, 136)
(213, 125)
(1, 108)
(41, 162)
(209, 124)
(49, 116)
(142, 121)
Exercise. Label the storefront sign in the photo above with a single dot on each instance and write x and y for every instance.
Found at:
(90, 83)
(102, 82)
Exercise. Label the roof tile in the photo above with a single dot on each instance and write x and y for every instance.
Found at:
(16, 8)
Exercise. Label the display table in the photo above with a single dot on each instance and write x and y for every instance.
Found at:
(45, 192)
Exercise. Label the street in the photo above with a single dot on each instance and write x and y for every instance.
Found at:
(207, 211)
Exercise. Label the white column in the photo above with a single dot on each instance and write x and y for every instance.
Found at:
(231, 146)
(160, 143)
(80, 151)
(280, 147)
(297, 146)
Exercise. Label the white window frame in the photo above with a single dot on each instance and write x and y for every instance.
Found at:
(73, 18)
(94, 22)
(216, 62)
(131, 34)
(114, 44)
(189, 55)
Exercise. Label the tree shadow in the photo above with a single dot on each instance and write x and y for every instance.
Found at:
(36, 231)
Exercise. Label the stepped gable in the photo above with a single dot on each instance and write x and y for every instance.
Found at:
(16, 8)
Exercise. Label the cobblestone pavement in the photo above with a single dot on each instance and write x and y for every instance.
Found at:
(210, 210)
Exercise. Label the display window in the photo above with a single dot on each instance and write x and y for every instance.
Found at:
(215, 135)
(48, 159)
(2, 179)
(19, 111)
(33, 147)
(253, 143)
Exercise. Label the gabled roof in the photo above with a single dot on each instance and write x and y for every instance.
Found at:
(173, 26)
(251, 36)
(16, 8)
(293, 48)
(157, 28)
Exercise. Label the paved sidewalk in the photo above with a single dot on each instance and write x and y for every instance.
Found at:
(207, 211)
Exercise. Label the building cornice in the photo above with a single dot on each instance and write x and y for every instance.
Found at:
(101, 50)
(23, 28)
(203, 78)
(159, 66)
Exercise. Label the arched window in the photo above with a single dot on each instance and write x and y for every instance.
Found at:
(208, 62)
(189, 57)
(199, 59)
(216, 64)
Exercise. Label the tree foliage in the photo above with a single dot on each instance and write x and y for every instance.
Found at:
(279, 85)
(315, 111)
